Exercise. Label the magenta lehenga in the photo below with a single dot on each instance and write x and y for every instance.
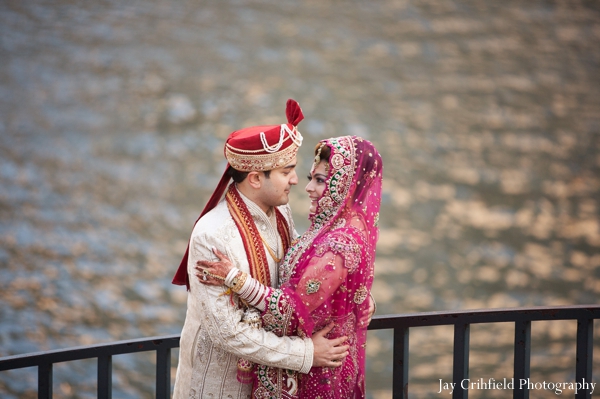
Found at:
(327, 275)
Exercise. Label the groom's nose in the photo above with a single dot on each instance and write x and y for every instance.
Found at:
(294, 178)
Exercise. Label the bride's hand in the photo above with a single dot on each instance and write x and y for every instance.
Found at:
(214, 273)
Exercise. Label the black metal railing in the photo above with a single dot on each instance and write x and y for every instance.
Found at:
(400, 324)
(104, 353)
(522, 317)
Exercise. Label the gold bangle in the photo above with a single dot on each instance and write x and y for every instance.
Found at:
(238, 281)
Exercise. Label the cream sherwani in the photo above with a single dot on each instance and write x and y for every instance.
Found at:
(213, 336)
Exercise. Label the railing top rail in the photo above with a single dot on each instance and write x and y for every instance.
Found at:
(88, 352)
(474, 316)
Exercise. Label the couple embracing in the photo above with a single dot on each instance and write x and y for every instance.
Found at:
(270, 313)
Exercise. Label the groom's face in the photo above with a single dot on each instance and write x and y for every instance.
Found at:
(276, 188)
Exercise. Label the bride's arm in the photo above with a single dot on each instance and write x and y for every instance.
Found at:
(319, 280)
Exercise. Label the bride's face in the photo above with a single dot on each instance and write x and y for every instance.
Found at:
(316, 184)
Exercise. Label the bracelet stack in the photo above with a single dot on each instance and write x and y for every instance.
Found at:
(230, 276)
(238, 282)
(247, 288)
(254, 293)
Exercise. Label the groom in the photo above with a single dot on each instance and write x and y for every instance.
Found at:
(253, 226)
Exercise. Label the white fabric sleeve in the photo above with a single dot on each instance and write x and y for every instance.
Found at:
(308, 360)
(223, 324)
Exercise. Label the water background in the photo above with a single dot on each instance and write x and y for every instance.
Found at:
(113, 117)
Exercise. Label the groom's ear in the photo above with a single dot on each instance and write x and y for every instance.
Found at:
(255, 179)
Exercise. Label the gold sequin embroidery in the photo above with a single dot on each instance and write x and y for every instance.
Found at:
(360, 295)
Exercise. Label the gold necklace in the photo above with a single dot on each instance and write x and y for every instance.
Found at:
(275, 258)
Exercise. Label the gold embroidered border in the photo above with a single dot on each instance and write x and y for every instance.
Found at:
(262, 162)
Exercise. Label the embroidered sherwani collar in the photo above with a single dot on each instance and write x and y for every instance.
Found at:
(267, 228)
(267, 225)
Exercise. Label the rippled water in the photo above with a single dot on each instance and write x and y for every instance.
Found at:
(112, 121)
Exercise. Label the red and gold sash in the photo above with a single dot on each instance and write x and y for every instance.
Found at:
(255, 250)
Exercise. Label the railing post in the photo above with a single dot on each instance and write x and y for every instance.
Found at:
(45, 381)
(522, 358)
(461, 359)
(104, 377)
(400, 366)
(163, 373)
(583, 366)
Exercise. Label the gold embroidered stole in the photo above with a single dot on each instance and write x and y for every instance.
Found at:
(255, 250)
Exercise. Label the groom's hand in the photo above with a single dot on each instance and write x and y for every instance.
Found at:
(372, 308)
(328, 352)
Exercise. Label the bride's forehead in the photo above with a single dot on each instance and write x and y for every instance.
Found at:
(321, 167)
